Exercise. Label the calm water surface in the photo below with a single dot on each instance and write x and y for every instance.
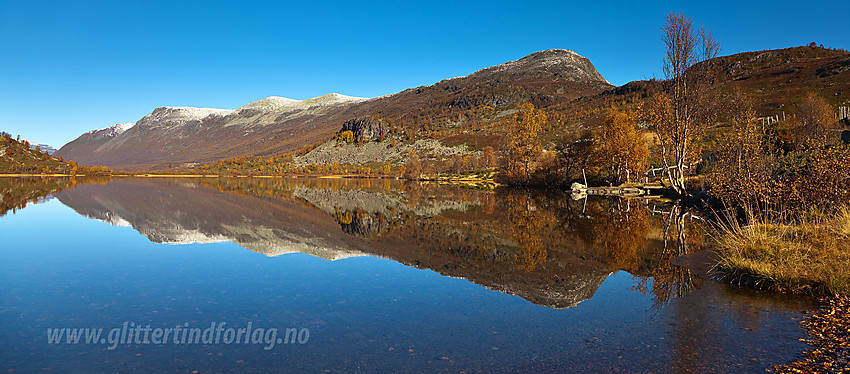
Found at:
(380, 276)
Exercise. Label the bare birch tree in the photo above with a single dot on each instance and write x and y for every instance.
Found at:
(680, 112)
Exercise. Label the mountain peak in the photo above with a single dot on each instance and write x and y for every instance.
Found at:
(178, 113)
(114, 129)
(270, 103)
(552, 63)
(173, 136)
(111, 131)
(332, 98)
(554, 51)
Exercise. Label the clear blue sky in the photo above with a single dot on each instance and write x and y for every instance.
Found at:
(67, 67)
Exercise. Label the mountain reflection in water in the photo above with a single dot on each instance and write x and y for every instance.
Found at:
(599, 281)
(545, 248)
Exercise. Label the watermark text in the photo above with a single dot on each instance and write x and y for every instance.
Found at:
(130, 333)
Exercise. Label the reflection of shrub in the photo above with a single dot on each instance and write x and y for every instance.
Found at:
(344, 218)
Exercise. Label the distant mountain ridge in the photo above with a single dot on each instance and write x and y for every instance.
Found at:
(172, 137)
(43, 147)
(561, 81)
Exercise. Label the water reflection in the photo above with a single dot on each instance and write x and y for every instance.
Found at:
(544, 247)
(18, 192)
(370, 314)
(669, 280)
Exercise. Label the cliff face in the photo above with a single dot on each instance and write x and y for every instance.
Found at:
(183, 137)
(366, 128)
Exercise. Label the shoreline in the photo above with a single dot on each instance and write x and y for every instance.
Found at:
(439, 179)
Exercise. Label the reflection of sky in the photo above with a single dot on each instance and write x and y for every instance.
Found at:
(60, 269)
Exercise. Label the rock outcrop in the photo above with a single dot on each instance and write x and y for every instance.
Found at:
(366, 128)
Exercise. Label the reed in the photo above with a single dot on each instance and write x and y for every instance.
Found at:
(807, 254)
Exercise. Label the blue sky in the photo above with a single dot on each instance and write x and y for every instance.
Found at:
(67, 67)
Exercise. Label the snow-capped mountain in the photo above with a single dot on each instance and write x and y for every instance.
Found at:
(43, 147)
(111, 131)
(173, 137)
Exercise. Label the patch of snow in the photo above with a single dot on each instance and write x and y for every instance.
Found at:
(110, 218)
(42, 146)
(113, 130)
(281, 104)
(187, 236)
(192, 113)
(175, 115)
(121, 127)
(272, 103)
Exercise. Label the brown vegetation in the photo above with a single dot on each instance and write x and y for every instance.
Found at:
(806, 255)
(796, 165)
(18, 157)
(830, 332)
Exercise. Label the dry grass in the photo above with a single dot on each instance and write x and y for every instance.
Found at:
(812, 256)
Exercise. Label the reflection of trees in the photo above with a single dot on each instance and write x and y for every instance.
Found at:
(412, 192)
(627, 237)
(539, 245)
(16, 193)
(528, 230)
(544, 228)
(622, 233)
(615, 229)
(360, 223)
(670, 281)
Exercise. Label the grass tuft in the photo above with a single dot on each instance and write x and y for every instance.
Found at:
(810, 256)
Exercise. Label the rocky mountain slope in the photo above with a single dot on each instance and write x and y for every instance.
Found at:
(565, 84)
(174, 136)
(775, 79)
(179, 137)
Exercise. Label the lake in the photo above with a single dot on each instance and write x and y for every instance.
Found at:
(372, 276)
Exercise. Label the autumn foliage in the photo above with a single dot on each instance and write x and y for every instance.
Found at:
(18, 157)
(524, 148)
(622, 147)
(757, 167)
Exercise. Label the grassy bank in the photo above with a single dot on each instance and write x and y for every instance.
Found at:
(808, 256)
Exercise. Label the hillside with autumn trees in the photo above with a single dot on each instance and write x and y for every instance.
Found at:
(175, 137)
(616, 135)
(18, 157)
(546, 120)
